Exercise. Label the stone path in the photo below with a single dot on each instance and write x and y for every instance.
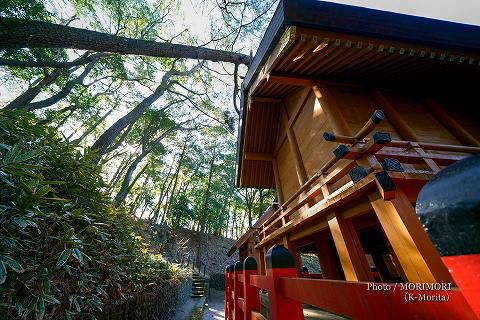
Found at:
(214, 309)
(185, 311)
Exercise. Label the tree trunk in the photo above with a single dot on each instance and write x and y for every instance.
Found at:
(203, 216)
(262, 198)
(30, 94)
(107, 138)
(63, 93)
(126, 185)
(89, 130)
(177, 172)
(22, 33)
(153, 216)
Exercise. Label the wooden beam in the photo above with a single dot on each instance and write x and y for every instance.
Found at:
(337, 198)
(289, 122)
(331, 109)
(266, 100)
(257, 156)
(392, 215)
(392, 115)
(354, 209)
(451, 124)
(297, 156)
(290, 245)
(311, 229)
(349, 249)
(278, 182)
(333, 177)
(298, 110)
(290, 79)
(326, 259)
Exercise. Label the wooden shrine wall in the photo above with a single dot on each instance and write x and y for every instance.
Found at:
(356, 107)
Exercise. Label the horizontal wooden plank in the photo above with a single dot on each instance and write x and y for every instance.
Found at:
(265, 100)
(411, 157)
(356, 301)
(290, 79)
(258, 281)
(258, 156)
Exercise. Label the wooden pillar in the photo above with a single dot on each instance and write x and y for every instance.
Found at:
(280, 263)
(452, 126)
(354, 264)
(278, 182)
(415, 252)
(331, 109)
(329, 270)
(251, 296)
(238, 291)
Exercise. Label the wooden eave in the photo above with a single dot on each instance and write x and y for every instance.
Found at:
(301, 55)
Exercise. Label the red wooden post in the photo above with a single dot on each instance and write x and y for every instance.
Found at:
(238, 291)
(228, 292)
(280, 263)
(251, 293)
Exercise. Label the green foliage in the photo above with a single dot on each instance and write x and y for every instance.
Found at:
(24, 9)
(181, 211)
(65, 251)
(35, 10)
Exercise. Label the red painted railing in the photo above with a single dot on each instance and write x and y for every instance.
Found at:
(355, 300)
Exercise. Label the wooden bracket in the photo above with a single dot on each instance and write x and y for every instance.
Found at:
(385, 184)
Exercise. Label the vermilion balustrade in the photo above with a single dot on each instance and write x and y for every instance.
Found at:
(287, 292)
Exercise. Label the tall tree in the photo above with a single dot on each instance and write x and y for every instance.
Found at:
(204, 212)
(146, 149)
(106, 139)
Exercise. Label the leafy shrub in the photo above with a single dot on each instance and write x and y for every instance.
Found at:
(65, 251)
(217, 281)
